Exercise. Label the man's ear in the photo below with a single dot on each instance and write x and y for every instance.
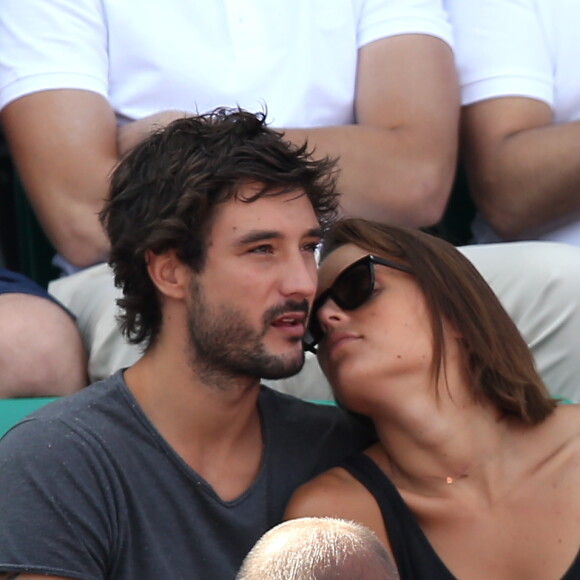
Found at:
(169, 274)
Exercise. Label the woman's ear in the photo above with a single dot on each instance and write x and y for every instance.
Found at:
(169, 274)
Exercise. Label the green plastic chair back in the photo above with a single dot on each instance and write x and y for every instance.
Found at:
(12, 410)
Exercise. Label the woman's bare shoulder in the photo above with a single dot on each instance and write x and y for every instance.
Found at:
(567, 421)
(325, 495)
(337, 494)
(569, 432)
(554, 445)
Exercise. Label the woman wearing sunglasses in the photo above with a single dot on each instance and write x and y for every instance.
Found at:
(476, 471)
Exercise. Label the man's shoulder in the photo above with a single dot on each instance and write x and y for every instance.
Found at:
(288, 408)
(308, 421)
(80, 412)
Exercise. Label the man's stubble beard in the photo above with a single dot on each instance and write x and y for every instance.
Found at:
(224, 348)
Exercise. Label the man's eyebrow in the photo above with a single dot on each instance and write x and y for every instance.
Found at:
(262, 235)
(258, 236)
(314, 233)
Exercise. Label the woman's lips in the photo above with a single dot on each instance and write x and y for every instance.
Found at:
(337, 339)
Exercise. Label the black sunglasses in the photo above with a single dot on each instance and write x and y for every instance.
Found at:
(351, 289)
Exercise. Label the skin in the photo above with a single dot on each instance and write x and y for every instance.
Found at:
(524, 170)
(514, 487)
(37, 329)
(523, 166)
(317, 549)
(65, 143)
(369, 346)
(260, 256)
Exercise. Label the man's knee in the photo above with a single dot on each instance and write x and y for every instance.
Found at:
(41, 351)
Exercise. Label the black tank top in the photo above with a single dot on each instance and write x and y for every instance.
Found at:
(414, 555)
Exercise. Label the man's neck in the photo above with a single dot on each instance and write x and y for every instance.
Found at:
(216, 431)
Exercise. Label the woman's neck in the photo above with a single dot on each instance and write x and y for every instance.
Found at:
(437, 443)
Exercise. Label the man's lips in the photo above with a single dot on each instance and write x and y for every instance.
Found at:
(292, 323)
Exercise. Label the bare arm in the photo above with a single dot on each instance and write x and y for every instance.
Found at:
(398, 162)
(336, 494)
(65, 143)
(524, 171)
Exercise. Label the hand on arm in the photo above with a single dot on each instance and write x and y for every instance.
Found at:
(524, 171)
(398, 161)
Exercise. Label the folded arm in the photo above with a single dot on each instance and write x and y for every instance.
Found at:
(524, 170)
(398, 161)
(65, 144)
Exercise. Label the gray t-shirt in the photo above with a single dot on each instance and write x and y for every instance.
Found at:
(90, 490)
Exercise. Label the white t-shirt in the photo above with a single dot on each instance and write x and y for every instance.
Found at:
(296, 57)
(527, 48)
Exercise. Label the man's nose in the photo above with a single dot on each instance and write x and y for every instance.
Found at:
(299, 277)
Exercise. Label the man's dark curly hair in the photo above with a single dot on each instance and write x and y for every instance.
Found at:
(164, 195)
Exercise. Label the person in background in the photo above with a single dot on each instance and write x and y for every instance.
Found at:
(92, 82)
(213, 223)
(476, 469)
(318, 549)
(350, 77)
(517, 63)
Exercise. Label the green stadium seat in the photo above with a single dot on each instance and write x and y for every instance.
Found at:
(12, 410)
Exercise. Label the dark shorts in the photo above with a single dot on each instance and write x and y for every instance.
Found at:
(15, 283)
